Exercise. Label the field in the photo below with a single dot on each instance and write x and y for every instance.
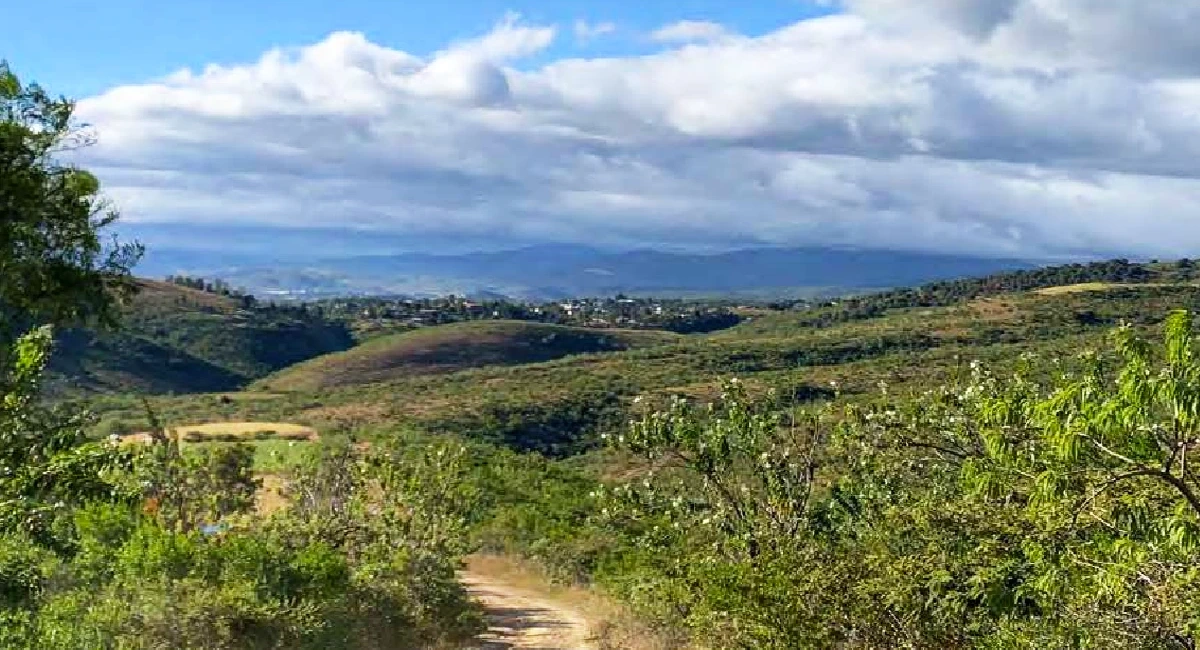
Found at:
(853, 355)
(1097, 286)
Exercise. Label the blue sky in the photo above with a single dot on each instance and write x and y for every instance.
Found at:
(103, 44)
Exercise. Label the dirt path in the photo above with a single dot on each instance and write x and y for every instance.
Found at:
(518, 617)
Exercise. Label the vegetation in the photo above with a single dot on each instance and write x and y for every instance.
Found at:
(104, 545)
(451, 348)
(1002, 462)
(178, 339)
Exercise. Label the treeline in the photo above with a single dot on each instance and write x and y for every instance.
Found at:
(951, 292)
(684, 317)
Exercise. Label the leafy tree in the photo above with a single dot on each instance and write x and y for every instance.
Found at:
(1001, 510)
(55, 265)
(46, 463)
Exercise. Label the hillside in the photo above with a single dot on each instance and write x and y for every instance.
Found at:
(865, 483)
(450, 348)
(908, 338)
(175, 339)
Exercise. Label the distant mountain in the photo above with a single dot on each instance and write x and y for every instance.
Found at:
(557, 271)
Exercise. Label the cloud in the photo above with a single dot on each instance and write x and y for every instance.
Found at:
(686, 31)
(1145, 37)
(586, 32)
(945, 126)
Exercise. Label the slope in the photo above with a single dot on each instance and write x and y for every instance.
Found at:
(175, 339)
(450, 348)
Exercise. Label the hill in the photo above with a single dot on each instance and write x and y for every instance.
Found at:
(176, 339)
(907, 337)
(450, 348)
(892, 498)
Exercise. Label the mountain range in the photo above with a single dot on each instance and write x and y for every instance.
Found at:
(548, 272)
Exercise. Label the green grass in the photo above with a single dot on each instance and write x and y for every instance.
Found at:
(450, 348)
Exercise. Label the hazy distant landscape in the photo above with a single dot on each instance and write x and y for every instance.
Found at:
(552, 272)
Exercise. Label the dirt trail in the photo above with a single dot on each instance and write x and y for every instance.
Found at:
(518, 617)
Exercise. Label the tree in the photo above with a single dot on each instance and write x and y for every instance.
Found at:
(55, 269)
(56, 266)
(46, 464)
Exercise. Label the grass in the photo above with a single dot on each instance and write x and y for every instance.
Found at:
(450, 348)
(175, 339)
(1101, 286)
(1076, 288)
(245, 431)
(269, 497)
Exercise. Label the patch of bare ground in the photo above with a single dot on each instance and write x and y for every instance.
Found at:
(524, 610)
(993, 309)
(270, 496)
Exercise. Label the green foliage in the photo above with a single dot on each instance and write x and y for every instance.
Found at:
(1022, 509)
(449, 348)
(178, 339)
(185, 491)
(46, 465)
(54, 266)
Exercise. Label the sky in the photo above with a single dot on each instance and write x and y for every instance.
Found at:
(1033, 128)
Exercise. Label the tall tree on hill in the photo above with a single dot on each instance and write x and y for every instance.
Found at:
(56, 264)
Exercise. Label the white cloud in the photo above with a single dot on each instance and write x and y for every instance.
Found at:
(934, 126)
(586, 32)
(686, 31)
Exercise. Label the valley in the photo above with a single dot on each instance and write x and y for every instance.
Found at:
(812, 325)
(534, 403)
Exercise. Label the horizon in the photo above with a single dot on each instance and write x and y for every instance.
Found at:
(1000, 129)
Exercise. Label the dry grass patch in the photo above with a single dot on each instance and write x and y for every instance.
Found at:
(1079, 288)
(270, 496)
(993, 310)
(236, 432)
(347, 415)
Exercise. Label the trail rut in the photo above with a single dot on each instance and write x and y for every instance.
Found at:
(518, 618)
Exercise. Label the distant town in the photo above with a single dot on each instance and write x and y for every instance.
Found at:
(372, 315)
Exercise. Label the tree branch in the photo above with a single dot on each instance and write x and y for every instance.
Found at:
(1107, 485)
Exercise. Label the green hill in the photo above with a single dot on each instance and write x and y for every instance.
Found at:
(450, 348)
(175, 339)
(496, 380)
